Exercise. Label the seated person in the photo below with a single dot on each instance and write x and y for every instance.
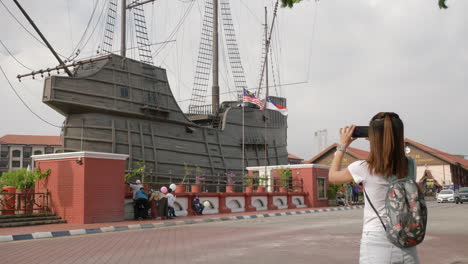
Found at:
(197, 206)
(141, 204)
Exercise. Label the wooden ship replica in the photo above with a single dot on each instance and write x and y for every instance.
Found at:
(116, 104)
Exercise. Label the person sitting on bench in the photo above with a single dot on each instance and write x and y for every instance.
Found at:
(197, 206)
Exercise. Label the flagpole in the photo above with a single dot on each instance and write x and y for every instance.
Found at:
(243, 138)
(266, 90)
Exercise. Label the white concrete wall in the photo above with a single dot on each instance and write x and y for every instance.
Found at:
(298, 201)
(214, 202)
(233, 202)
(260, 202)
(280, 201)
(181, 206)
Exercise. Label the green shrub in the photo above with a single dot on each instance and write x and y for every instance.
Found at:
(332, 190)
(22, 179)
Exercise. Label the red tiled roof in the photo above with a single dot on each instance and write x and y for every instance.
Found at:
(30, 140)
(291, 156)
(357, 153)
(440, 154)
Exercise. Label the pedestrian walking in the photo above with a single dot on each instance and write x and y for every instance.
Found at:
(349, 193)
(355, 193)
(386, 160)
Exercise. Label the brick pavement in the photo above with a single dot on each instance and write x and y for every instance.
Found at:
(326, 237)
(60, 230)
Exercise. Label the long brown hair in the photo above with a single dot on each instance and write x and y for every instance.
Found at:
(387, 146)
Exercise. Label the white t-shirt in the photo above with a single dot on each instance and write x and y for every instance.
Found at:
(376, 187)
(170, 199)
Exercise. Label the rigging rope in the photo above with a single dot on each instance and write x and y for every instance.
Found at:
(29, 32)
(70, 24)
(77, 49)
(311, 39)
(176, 29)
(11, 54)
(24, 103)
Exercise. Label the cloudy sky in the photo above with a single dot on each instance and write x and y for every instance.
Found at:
(351, 59)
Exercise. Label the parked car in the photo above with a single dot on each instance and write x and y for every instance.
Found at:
(462, 195)
(447, 196)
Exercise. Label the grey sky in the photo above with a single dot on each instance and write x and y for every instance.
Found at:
(366, 56)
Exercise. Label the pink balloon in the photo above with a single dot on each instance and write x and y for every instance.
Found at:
(164, 189)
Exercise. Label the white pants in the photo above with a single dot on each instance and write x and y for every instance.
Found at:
(376, 249)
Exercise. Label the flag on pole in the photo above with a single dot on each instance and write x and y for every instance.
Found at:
(272, 105)
(251, 98)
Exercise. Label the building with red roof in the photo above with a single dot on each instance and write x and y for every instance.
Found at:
(443, 168)
(326, 156)
(293, 159)
(435, 168)
(16, 150)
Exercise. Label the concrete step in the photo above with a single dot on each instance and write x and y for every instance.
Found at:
(27, 219)
(30, 223)
(23, 216)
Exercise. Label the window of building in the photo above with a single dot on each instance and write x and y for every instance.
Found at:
(321, 190)
(124, 92)
(26, 164)
(16, 153)
(3, 164)
(38, 152)
(27, 152)
(4, 154)
(151, 97)
(49, 150)
(15, 164)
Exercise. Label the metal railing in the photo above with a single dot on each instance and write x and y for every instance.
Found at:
(24, 203)
(218, 183)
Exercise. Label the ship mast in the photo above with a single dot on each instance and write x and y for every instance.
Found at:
(123, 22)
(123, 29)
(215, 61)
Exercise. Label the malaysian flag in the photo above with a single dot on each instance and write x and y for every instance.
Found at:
(271, 104)
(251, 98)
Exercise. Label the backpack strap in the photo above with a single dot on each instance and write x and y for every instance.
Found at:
(368, 200)
(411, 169)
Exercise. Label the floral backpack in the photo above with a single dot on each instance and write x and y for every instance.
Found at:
(406, 210)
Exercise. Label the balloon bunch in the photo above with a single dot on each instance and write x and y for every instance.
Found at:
(165, 190)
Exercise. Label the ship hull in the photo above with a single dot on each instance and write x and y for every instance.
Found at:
(123, 106)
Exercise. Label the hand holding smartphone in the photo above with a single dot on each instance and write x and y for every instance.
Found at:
(360, 132)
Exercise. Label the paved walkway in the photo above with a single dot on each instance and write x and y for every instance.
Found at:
(61, 230)
(322, 237)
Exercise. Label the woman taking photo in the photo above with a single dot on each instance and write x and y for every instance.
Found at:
(386, 158)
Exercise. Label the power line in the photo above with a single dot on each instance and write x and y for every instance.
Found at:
(24, 103)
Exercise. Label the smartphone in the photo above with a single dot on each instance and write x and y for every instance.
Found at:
(360, 132)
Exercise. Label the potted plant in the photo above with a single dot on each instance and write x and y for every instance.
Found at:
(230, 181)
(180, 188)
(248, 180)
(285, 176)
(262, 182)
(23, 181)
(139, 173)
(196, 188)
